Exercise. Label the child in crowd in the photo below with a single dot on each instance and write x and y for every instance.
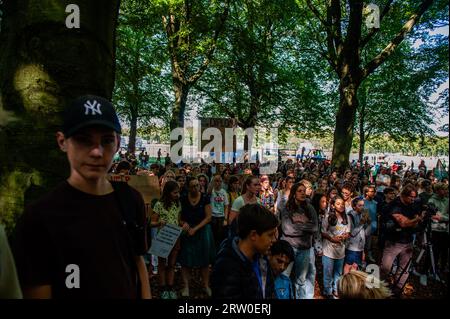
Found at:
(281, 255)
(335, 230)
(360, 222)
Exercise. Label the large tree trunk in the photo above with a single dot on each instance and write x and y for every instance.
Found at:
(345, 118)
(181, 91)
(43, 65)
(362, 135)
(248, 144)
(362, 142)
(133, 131)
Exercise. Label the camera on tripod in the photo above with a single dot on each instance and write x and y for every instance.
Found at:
(430, 210)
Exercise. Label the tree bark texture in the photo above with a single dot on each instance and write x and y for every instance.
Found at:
(43, 65)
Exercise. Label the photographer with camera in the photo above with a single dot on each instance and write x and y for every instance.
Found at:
(401, 226)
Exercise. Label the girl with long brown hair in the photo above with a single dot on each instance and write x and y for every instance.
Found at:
(167, 211)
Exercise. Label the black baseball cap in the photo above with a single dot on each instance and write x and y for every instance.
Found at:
(89, 110)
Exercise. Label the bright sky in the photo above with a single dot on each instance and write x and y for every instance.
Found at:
(441, 118)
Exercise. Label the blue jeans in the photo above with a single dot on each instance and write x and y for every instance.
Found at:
(305, 273)
(332, 270)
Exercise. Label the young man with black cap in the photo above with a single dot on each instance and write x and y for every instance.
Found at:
(79, 240)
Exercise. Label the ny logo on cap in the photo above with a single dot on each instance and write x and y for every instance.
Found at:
(93, 106)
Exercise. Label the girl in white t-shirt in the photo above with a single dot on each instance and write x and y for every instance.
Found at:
(335, 230)
(250, 189)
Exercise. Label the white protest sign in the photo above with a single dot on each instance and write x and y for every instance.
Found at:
(164, 241)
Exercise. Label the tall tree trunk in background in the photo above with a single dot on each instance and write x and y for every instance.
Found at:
(343, 55)
(43, 65)
(181, 91)
(343, 133)
(178, 24)
(362, 134)
(133, 132)
(349, 71)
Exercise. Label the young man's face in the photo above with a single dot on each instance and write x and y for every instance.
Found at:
(90, 151)
(370, 193)
(409, 199)
(278, 263)
(263, 242)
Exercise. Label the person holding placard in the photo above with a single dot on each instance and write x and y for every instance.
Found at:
(167, 211)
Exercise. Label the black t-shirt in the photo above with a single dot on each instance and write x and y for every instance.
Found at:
(193, 215)
(68, 226)
(397, 234)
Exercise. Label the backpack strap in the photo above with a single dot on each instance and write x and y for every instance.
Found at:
(126, 202)
(128, 209)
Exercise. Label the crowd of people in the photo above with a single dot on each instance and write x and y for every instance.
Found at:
(338, 221)
(250, 235)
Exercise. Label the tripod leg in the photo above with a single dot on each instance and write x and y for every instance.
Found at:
(433, 265)
(422, 251)
(405, 262)
(403, 271)
(419, 257)
(416, 262)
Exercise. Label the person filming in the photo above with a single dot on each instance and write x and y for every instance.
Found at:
(403, 221)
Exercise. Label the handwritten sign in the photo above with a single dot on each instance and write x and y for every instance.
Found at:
(148, 186)
(164, 241)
